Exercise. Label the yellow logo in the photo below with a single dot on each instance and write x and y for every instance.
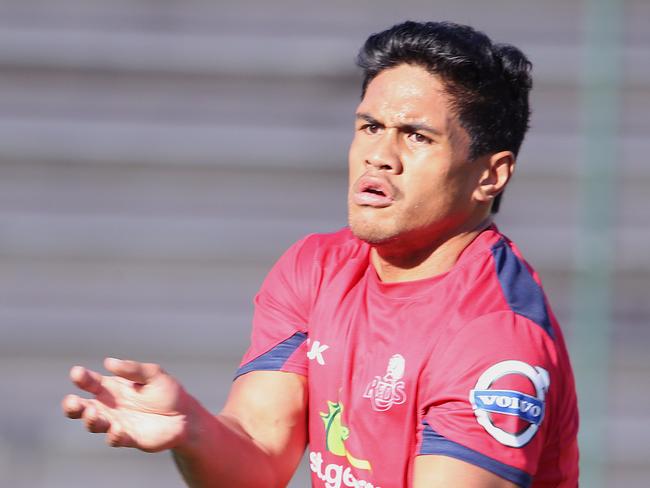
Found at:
(336, 434)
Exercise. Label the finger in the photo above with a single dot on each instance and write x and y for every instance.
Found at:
(118, 437)
(132, 370)
(86, 379)
(73, 406)
(94, 420)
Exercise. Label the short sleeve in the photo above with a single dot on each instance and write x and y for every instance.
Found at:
(485, 399)
(282, 309)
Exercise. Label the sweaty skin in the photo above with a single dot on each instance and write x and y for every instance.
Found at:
(336, 434)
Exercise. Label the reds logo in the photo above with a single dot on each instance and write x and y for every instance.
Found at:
(388, 390)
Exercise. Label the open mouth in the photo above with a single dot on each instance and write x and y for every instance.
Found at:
(371, 191)
(375, 191)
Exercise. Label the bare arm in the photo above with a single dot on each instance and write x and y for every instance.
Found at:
(257, 440)
(266, 418)
(434, 471)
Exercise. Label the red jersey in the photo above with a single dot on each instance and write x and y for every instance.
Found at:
(469, 364)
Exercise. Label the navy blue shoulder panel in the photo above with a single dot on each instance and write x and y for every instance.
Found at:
(274, 359)
(524, 296)
(434, 443)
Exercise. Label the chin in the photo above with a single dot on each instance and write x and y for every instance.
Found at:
(371, 232)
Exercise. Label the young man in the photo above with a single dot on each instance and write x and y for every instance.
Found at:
(414, 348)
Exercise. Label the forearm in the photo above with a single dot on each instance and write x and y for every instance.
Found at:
(218, 453)
(257, 440)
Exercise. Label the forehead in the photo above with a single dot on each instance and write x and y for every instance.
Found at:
(405, 94)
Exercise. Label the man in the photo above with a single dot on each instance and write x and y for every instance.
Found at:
(415, 348)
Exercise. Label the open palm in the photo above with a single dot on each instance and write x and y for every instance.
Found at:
(141, 406)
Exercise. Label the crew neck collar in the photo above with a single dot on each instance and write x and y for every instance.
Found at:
(413, 289)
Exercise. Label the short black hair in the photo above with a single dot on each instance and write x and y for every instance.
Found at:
(488, 83)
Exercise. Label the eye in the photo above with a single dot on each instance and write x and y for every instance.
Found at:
(370, 128)
(419, 138)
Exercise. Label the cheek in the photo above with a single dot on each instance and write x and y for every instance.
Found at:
(432, 195)
(355, 162)
(356, 142)
(423, 186)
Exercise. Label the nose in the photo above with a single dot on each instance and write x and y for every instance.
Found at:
(383, 155)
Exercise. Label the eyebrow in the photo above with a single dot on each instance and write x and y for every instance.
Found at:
(412, 127)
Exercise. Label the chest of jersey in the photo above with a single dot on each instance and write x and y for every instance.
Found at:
(366, 351)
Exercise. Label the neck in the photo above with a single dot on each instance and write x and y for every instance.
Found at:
(395, 262)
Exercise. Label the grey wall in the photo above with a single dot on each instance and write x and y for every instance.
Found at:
(157, 156)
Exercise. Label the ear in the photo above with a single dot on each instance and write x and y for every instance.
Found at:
(497, 169)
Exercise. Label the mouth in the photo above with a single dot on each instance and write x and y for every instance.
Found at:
(371, 191)
(375, 191)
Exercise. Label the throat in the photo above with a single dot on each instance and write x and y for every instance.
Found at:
(397, 263)
(393, 269)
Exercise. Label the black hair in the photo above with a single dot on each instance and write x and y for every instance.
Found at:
(488, 83)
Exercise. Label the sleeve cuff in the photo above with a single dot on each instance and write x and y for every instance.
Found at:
(276, 358)
(434, 443)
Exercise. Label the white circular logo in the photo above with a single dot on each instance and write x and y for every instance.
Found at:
(486, 400)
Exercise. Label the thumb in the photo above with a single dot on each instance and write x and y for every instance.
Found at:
(134, 371)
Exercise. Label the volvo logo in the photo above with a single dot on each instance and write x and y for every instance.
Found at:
(486, 400)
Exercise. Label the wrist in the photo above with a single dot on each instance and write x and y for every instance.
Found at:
(197, 420)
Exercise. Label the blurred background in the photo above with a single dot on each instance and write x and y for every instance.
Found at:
(156, 157)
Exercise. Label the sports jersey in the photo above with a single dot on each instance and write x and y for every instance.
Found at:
(469, 364)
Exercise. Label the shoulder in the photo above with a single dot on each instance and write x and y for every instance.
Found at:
(521, 286)
(495, 284)
(500, 311)
(503, 313)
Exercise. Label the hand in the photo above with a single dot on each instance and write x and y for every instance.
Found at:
(141, 406)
